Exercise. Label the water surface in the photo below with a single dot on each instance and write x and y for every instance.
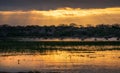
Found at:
(70, 59)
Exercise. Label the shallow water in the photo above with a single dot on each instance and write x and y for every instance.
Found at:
(64, 60)
(67, 39)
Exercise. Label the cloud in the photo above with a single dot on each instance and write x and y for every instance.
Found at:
(61, 15)
(53, 4)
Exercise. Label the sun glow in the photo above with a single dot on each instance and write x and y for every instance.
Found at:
(64, 12)
(62, 15)
(70, 12)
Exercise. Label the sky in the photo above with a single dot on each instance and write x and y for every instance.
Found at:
(55, 12)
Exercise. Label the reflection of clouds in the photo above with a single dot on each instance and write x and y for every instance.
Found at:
(62, 15)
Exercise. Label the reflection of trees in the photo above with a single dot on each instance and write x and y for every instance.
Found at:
(61, 31)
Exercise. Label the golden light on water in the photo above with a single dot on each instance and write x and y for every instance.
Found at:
(62, 15)
(62, 60)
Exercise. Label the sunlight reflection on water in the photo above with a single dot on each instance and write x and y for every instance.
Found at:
(62, 60)
(68, 39)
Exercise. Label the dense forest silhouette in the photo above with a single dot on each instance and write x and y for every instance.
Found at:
(61, 31)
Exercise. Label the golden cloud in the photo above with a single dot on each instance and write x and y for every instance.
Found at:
(62, 15)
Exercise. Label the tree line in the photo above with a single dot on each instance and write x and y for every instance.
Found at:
(61, 31)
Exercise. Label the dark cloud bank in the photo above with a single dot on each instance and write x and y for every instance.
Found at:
(53, 4)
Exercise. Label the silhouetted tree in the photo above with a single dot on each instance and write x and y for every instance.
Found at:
(61, 31)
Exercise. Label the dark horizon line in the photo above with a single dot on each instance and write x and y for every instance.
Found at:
(62, 24)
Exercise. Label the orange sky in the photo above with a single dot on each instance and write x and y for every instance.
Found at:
(61, 16)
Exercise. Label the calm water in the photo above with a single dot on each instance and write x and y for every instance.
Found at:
(68, 59)
(67, 39)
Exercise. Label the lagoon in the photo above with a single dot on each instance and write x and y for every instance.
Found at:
(59, 59)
